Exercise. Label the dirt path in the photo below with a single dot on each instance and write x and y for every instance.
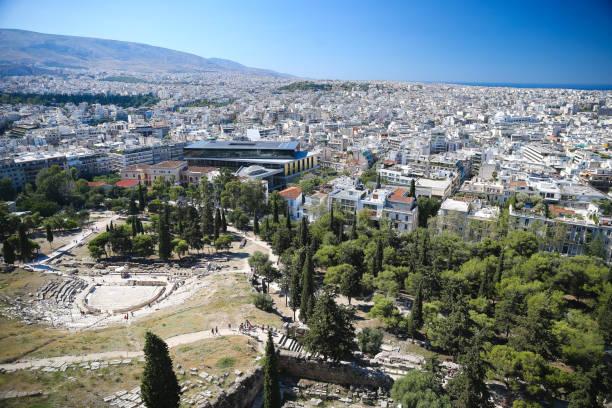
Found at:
(172, 342)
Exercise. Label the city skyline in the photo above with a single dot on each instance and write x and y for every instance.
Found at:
(546, 43)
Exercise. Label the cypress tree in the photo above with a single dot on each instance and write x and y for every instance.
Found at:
(217, 224)
(288, 220)
(207, 219)
(500, 267)
(267, 228)
(272, 398)
(331, 218)
(142, 198)
(379, 257)
(417, 309)
(295, 285)
(304, 238)
(8, 252)
(24, 243)
(133, 209)
(377, 181)
(159, 387)
(354, 227)
(165, 246)
(275, 211)
(484, 283)
(255, 225)
(307, 287)
(412, 188)
(223, 221)
(49, 235)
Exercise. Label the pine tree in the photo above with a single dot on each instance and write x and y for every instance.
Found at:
(165, 246)
(49, 235)
(272, 398)
(255, 225)
(159, 387)
(416, 314)
(307, 287)
(8, 252)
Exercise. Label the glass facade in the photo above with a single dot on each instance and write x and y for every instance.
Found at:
(201, 153)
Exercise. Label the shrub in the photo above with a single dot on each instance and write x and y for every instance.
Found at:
(263, 301)
(370, 339)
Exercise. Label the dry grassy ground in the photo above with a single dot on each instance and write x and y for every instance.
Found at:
(81, 388)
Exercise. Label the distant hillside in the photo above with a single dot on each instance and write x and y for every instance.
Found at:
(26, 52)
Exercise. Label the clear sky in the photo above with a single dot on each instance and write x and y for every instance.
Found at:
(535, 41)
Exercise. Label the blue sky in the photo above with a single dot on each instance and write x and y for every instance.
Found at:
(535, 41)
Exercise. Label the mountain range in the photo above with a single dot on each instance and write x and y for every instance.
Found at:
(30, 53)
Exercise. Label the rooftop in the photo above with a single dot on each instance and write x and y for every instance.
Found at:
(291, 192)
(170, 164)
(203, 144)
(127, 183)
(400, 195)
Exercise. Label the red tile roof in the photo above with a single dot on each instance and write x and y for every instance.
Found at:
(96, 183)
(170, 163)
(400, 195)
(126, 183)
(291, 192)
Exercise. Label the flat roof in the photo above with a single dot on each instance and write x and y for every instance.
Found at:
(204, 144)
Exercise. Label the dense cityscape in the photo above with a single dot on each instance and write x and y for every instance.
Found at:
(214, 235)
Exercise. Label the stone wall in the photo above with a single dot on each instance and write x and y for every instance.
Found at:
(243, 393)
(336, 373)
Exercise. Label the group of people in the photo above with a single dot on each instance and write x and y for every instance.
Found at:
(246, 326)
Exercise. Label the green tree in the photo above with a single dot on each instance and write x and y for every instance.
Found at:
(7, 191)
(331, 331)
(159, 386)
(597, 247)
(468, 389)
(255, 225)
(412, 188)
(370, 339)
(164, 245)
(307, 284)
(25, 249)
(386, 312)
(224, 242)
(350, 285)
(142, 197)
(420, 389)
(143, 245)
(180, 247)
(133, 208)
(49, 234)
(428, 207)
(8, 252)
(416, 314)
(272, 397)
